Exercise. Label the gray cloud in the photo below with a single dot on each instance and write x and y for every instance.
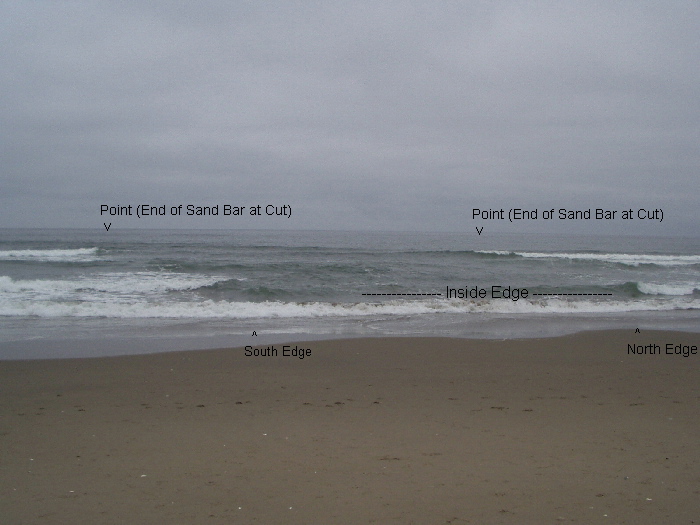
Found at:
(361, 115)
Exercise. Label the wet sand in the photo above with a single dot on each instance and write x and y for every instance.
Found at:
(390, 430)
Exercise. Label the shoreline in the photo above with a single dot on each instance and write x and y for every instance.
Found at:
(392, 430)
(113, 342)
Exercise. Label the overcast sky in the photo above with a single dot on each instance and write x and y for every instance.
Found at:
(359, 115)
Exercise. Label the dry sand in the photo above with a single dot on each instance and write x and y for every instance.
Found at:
(393, 430)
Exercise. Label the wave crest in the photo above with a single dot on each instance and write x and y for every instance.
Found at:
(619, 258)
(74, 255)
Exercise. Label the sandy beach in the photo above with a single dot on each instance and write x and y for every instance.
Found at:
(572, 429)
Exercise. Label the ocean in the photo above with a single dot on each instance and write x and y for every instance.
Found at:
(67, 293)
